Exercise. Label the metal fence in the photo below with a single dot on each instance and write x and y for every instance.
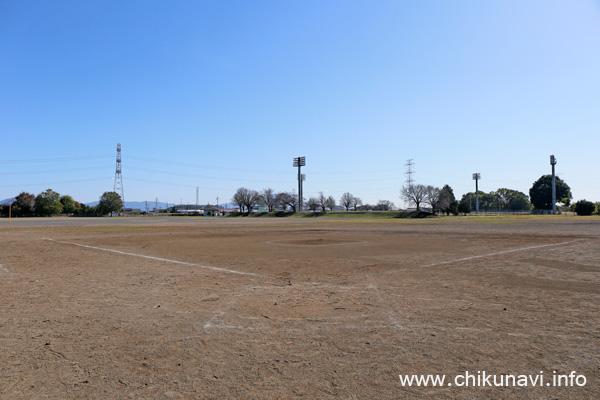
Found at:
(522, 212)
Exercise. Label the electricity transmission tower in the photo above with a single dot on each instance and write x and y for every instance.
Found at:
(118, 188)
(409, 172)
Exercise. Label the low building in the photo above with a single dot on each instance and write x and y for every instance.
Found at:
(212, 211)
(131, 211)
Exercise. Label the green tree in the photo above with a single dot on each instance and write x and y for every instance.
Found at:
(464, 207)
(448, 203)
(85, 210)
(487, 201)
(24, 205)
(541, 192)
(48, 203)
(454, 207)
(509, 199)
(69, 205)
(109, 202)
(584, 207)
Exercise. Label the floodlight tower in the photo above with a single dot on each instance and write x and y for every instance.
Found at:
(553, 163)
(300, 162)
(118, 188)
(476, 178)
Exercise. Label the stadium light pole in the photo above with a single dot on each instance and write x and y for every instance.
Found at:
(553, 163)
(300, 162)
(476, 178)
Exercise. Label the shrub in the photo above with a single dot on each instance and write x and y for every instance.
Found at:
(464, 207)
(584, 207)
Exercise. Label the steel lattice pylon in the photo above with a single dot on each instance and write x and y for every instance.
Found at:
(118, 176)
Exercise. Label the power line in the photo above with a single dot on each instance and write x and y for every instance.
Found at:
(34, 160)
(233, 169)
(57, 183)
(200, 176)
(48, 171)
(181, 164)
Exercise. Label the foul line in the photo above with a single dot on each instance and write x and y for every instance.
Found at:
(231, 271)
(499, 253)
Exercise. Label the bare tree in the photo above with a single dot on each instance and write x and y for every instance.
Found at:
(325, 202)
(270, 199)
(346, 201)
(356, 201)
(384, 205)
(238, 198)
(288, 199)
(414, 194)
(330, 202)
(251, 200)
(313, 204)
(245, 199)
(433, 197)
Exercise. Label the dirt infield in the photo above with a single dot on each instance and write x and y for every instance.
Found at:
(159, 308)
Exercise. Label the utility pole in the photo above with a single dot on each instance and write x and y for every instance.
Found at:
(300, 162)
(553, 163)
(476, 178)
(217, 201)
(197, 188)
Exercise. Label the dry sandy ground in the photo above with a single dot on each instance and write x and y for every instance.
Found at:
(153, 308)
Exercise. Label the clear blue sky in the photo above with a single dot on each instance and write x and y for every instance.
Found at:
(223, 94)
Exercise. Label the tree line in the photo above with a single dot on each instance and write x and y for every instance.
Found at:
(49, 203)
(438, 200)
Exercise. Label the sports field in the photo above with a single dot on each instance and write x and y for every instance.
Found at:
(184, 308)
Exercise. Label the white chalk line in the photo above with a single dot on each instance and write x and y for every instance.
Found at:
(3, 268)
(230, 271)
(497, 253)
